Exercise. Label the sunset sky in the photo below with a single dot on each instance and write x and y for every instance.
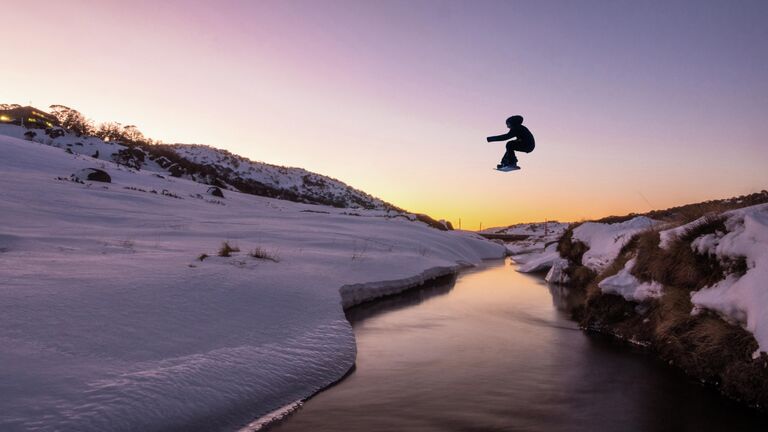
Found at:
(634, 105)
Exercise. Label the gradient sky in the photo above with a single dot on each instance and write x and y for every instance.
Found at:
(634, 105)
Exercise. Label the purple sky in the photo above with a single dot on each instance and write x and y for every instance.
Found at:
(633, 104)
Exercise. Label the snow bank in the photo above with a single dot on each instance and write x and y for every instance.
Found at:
(740, 299)
(539, 235)
(539, 261)
(626, 285)
(606, 240)
(538, 252)
(557, 274)
(111, 317)
(355, 294)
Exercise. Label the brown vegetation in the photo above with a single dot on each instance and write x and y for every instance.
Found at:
(261, 253)
(702, 344)
(226, 249)
(573, 250)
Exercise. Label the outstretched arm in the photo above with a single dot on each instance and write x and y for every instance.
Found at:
(504, 137)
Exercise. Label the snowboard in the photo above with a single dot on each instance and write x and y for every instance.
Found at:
(507, 169)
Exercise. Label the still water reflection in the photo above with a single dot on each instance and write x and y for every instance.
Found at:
(494, 350)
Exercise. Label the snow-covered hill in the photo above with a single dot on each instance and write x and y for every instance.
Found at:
(212, 166)
(116, 312)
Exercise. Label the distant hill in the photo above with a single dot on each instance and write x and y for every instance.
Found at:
(209, 165)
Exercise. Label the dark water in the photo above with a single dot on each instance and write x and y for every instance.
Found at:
(494, 351)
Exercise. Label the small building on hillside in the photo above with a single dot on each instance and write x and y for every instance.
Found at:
(29, 117)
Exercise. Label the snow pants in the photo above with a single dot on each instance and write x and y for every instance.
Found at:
(513, 146)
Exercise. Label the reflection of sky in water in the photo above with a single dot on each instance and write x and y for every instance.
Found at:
(495, 351)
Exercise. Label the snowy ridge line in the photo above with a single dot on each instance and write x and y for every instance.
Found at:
(354, 294)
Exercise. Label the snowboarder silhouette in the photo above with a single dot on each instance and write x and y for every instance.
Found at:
(523, 141)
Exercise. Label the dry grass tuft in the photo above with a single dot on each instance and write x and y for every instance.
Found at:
(617, 219)
(678, 265)
(261, 253)
(570, 249)
(227, 249)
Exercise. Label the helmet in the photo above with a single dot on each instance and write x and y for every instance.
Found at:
(515, 120)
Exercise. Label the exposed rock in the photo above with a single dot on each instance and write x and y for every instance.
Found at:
(176, 170)
(215, 191)
(92, 174)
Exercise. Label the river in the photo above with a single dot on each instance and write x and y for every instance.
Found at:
(495, 350)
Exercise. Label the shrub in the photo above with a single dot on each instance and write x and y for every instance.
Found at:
(202, 257)
(433, 223)
(616, 219)
(227, 249)
(261, 253)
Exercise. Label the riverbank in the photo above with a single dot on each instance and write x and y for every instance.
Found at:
(692, 293)
(495, 349)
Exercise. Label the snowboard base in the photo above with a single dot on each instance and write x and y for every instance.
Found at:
(507, 169)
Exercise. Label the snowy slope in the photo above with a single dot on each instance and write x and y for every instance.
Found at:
(108, 321)
(210, 165)
(314, 187)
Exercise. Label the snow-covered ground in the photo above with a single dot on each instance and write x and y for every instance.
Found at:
(109, 321)
(538, 252)
(539, 236)
(740, 299)
(605, 240)
(293, 179)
